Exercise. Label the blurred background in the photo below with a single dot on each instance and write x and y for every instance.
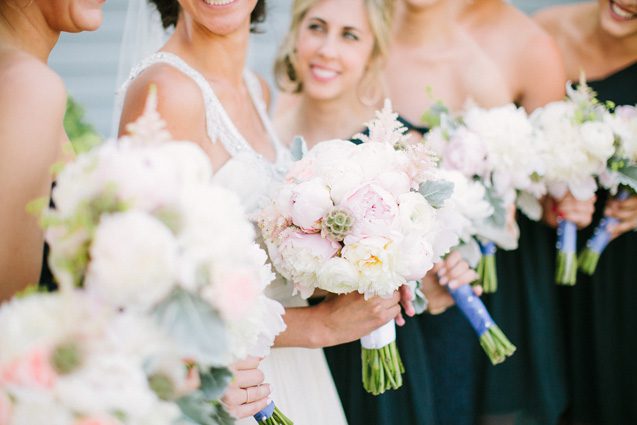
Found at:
(88, 62)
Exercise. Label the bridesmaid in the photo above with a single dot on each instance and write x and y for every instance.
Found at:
(531, 386)
(32, 105)
(600, 38)
(329, 67)
(434, 58)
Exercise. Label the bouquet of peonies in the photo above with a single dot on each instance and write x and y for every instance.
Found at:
(139, 225)
(620, 178)
(68, 359)
(360, 218)
(493, 147)
(577, 143)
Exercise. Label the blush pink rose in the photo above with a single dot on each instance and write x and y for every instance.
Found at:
(32, 371)
(374, 210)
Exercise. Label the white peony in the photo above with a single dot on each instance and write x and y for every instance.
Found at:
(133, 261)
(374, 258)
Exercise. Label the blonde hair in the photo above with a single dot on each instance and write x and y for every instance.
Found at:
(379, 13)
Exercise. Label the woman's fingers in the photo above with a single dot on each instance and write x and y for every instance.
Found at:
(246, 410)
(248, 378)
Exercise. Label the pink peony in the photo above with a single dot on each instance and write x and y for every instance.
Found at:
(234, 293)
(374, 210)
(310, 202)
(32, 371)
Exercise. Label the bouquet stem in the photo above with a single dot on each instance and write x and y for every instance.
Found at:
(493, 341)
(566, 271)
(486, 267)
(589, 258)
(271, 415)
(382, 367)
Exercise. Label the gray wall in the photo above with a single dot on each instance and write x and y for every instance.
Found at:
(88, 61)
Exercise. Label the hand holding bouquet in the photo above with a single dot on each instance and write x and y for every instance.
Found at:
(361, 218)
(577, 142)
(620, 178)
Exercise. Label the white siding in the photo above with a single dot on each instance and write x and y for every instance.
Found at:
(88, 61)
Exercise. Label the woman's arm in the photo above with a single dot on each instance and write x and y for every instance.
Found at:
(32, 105)
(337, 320)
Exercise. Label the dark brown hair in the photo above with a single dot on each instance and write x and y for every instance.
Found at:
(169, 11)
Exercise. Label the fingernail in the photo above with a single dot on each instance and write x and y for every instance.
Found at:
(443, 280)
(442, 270)
(453, 284)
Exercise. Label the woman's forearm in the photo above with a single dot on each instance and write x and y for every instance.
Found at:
(304, 329)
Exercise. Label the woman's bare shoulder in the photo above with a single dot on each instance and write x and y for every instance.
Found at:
(180, 100)
(26, 81)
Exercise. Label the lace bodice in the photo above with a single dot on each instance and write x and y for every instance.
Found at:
(248, 173)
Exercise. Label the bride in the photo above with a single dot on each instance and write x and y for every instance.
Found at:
(208, 97)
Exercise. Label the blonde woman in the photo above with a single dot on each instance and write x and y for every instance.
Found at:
(330, 69)
(32, 105)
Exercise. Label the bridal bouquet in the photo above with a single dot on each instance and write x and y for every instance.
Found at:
(620, 178)
(139, 225)
(360, 218)
(67, 359)
(578, 142)
(493, 147)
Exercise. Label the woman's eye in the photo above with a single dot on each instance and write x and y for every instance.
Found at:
(350, 36)
(315, 27)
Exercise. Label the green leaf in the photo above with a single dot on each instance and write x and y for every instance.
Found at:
(196, 327)
(436, 192)
(628, 177)
(498, 218)
(433, 116)
(214, 382)
(197, 410)
(299, 148)
(82, 135)
(37, 206)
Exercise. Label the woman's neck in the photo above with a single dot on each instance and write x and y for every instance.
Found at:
(479, 11)
(26, 29)
(415, 25)
(332, 119)
(217, 57)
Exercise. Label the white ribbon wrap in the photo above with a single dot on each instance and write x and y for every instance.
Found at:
(381, 337)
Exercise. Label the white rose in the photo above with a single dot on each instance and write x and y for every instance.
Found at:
(598, 140)
(338, 276)
(310, 202)
(415, 257)
(108, 382)
(40, 410)
(133, 261)
(415, 213)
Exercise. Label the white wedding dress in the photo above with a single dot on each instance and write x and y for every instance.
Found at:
(301, 382)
